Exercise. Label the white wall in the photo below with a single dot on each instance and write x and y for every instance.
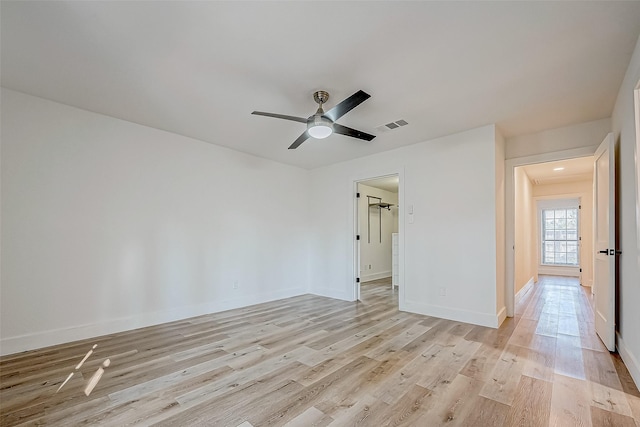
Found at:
(525, 231)
(451, 184)
(500, 177)
(375, 253)
(629, 286)
(108, 225)
(570, 190)
(566, 138)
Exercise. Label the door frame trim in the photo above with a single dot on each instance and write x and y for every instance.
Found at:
(353, 219)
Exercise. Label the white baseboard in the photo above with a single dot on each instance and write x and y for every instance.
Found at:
(483, 319)
(331, 293)
(629, 360)
(502, 315)
(525, 289)
(549, 270)
(48, 338)
(375, 276)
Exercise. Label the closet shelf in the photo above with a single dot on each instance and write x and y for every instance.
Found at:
(381, 205)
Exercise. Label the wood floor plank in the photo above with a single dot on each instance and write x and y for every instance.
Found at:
(599, 367)
(626, 380)
(349, 411)
(505, 377)
(482, 364)
(570, 403)
(541, 358)
(548, 324)
(602, 418)
(405, 412)
(532, 403)
(486, 412)
(229, 406)
(569, 360)
(634, 404)
(310, 395)
(524, 332)
(445, 366)
(454, 403)
(312, 417)
(609, 399)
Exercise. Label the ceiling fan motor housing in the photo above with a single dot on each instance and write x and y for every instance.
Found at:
(321, 97)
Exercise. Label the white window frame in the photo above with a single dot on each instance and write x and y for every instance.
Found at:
(558, 269)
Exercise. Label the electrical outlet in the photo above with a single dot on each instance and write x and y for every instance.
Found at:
(235, 284)
(369, 266)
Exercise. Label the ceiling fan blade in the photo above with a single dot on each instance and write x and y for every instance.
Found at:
(281, 116)
(343, 130)
(302, 138)
(347, 105)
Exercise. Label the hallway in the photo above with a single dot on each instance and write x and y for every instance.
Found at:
(547, 363)
(589, 386)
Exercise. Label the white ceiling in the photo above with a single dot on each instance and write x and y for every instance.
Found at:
(200, 68)
(387, 183)
(579, 169)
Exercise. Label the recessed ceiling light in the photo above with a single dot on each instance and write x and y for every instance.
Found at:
(558, 169)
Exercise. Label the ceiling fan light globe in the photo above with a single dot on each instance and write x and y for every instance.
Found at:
(320, 131)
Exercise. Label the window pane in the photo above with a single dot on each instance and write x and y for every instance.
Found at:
(560, 223)
(560, 236)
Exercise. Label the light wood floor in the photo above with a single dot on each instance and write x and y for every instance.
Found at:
(313, 361)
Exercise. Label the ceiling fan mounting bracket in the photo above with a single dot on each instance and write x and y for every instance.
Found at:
(321, 96)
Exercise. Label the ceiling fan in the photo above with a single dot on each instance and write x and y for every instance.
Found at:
(321, 124)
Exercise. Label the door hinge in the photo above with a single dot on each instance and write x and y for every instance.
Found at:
(358, 237)
(580, 270)
(357, 280)
(357, 195)
(579, 206)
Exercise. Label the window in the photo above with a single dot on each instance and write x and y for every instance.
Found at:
(560, 236)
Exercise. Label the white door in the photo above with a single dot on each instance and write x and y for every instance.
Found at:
(604, 285)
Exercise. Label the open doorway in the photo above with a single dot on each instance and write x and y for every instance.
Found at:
(553, 222)
(553, 213)
(378, 227)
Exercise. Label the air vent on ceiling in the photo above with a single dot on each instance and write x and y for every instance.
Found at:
(391, 126)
